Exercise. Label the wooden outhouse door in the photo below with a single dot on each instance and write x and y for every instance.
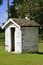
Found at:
(12, 39)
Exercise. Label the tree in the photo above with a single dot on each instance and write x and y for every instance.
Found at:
(8, 8)
(30, 8)
(0, 2)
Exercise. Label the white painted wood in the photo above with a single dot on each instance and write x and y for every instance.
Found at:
(18, 42)
(7, 40)
(18, 47)
(10, 21)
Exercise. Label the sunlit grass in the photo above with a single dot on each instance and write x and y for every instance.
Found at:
(40, 47)
(8, 58)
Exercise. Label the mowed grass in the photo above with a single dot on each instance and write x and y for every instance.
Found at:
(7, 58)
(2, 38)
(40, 47)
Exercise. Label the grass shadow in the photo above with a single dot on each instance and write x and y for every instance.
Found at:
(40, 52)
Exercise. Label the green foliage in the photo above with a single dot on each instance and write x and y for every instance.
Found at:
(12, 9)
(30, 8)
(36, 11)
(2, 37)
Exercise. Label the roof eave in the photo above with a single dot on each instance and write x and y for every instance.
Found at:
(8, 22)
(30, 26)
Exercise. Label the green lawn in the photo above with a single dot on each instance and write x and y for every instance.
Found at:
(7, 58)
(2, 36)
(40, 47)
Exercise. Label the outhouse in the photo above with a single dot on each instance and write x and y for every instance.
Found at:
(21, 35)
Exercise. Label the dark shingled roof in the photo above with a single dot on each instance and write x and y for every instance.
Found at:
(25, 22)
